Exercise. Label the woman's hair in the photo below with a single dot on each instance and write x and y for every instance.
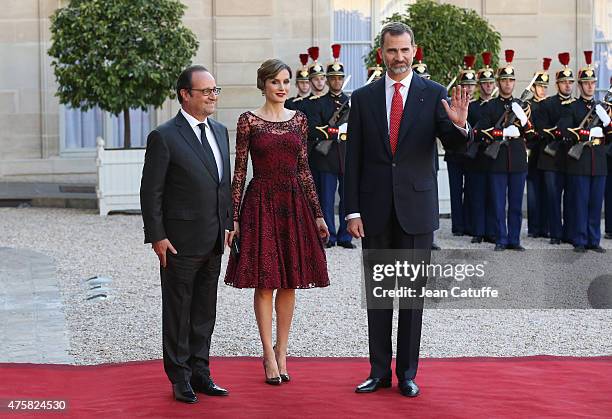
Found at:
(269, 69)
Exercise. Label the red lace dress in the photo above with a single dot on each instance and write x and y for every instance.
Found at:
(279, 242)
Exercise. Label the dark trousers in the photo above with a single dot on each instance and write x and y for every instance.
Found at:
(586, 194)
(480, 204)
(456, 176)
(409, 320)
(608, 206)
(329, 184)
(189, 307)
(554, 183)
(537, 220)
(508, 188)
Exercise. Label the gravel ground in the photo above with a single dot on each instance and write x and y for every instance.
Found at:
(328, 322)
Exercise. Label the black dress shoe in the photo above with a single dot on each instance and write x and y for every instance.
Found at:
(329, 245)
(435, 247)
(515, 247)
(208, 386)
(184, 393)
(499, 247)
(372, 384)
(555, 241)
(347, 245)
(596, 248)
(409, 388)
(490, 239)
(608, 236)
(457, 234)
(477, 239)
(579, 249)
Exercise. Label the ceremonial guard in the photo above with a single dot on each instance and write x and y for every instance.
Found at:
(608, 198)
(477, 164)
(327, 156)
(553, 151)
(302, 85)
(455, 162)
(537, 222)
(506, 127)
(588, 129)
(310, 107)
(419, 67)
(377, 71)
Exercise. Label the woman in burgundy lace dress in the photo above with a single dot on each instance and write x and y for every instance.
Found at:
(279, 223)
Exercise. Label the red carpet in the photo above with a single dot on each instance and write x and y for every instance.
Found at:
(540, 386)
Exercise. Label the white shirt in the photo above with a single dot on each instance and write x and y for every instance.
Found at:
(389, 92)
(193, 122)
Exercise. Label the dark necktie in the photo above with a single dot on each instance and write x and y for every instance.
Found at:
(206, 146)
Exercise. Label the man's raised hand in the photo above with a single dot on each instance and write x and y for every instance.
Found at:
(458, 110)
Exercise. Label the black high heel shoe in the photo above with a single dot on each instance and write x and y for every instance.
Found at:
(274, 381)
(285, 378)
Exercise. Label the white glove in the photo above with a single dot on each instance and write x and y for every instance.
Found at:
(511, 131)
(520, 113)
(596, 132)
(342, 129)
(603, 115)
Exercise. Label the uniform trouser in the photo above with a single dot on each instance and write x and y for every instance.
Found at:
(537, 220)
(555, 184)
(330, 183)
(586, 194)
(481, 204)
(508, 188)
(189, 301)
(468, 222)
(608, 206)
(456, 176)
(380, 320)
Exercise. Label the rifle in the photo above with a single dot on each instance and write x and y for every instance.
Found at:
(492, 149)
(339, 117)
(588, 122)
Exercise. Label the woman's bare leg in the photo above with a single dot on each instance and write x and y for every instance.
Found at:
(262, 303)
(285, 304)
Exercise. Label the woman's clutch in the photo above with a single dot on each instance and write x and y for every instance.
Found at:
(236, 246)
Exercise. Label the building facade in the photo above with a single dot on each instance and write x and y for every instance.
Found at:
(42, 141)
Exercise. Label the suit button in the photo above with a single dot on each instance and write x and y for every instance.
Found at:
(392, 164)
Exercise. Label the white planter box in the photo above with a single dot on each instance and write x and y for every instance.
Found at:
(119, 174)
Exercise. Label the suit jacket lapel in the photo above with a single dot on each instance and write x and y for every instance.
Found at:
(222, 144)
(413, 106)
(189, 136)
(380, 112)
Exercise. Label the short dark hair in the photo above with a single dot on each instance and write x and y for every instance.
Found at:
(269, 69)
(395, 29)
(184, 79)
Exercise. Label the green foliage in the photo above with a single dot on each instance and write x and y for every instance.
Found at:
(119, 54)
(446, 33)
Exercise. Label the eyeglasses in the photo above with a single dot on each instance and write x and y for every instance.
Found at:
(206, 92)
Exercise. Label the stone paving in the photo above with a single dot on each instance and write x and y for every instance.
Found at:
(33, 326)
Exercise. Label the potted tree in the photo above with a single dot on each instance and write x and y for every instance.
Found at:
(119, 55)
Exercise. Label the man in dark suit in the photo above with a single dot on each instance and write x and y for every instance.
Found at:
(390, 185)
(186, 205)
